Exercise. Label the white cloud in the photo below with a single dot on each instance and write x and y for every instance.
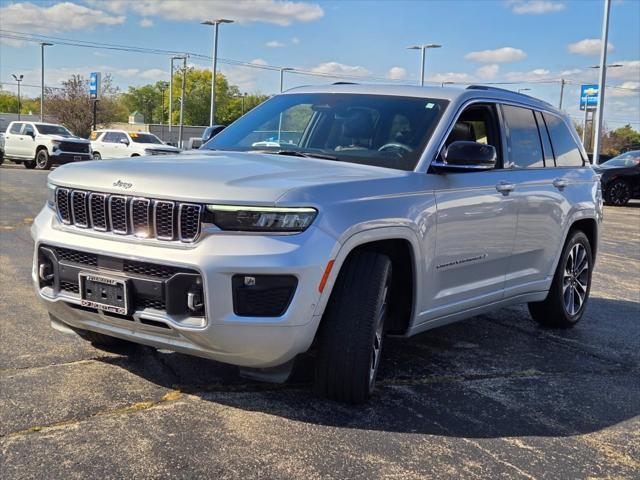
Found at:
(61, 17)
(535, 7)
(154, 74)
(295, 40)
(630, 70)
(625, 89)
(339, 69)
(259, 61)
(397, 73)
(531, 75)
(499, 55)
(451, 77)
(146, 23)
(247, 11)
(588, 47)
(274, 44)
(488, 71)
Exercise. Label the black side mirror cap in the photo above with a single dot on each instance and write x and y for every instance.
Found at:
(465, 155)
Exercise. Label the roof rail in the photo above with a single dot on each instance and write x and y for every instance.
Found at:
(496, 89)
(344, 83)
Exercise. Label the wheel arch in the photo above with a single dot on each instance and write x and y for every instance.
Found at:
(39, 148)
(402, 246)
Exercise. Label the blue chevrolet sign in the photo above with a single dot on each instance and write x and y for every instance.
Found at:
(94, 85)
(588, 96)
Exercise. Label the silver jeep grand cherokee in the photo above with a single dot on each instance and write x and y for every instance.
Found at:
(322, 220)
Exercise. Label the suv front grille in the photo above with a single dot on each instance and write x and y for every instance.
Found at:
(75, 147)
(142, 217)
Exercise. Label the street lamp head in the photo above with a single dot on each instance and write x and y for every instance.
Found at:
(46, 44)
(611, 65)
(217, 21)
(420, 47)
(18, 78)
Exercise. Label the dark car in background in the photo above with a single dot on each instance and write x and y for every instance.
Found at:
(620, 178)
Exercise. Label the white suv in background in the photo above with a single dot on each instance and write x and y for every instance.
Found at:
(41, 145)
(118, 144)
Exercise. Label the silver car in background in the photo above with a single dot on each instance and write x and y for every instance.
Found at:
(321, 221)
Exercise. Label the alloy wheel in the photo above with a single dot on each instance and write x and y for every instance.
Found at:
(41, 159)
(376, 350)
(576, 279)
(619, 193)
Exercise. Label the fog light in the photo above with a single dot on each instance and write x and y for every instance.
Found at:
(45, 272)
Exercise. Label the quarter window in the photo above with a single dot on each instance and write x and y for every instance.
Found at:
(565, 147)
(28, 130)
(523, 141)
(15, 128)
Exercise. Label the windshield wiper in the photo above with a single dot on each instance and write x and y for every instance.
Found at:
(298, 153)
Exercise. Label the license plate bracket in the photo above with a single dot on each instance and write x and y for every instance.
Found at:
(105, 293)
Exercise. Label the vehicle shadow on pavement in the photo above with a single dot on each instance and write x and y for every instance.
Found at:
(498, 375)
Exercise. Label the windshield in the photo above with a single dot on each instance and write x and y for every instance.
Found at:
(382, 130)
(145, 138)
(629, 159)
(52, 130)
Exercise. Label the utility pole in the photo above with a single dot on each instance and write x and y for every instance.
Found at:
(18, 79)
(42, 45)
(171, 96)
(601, 83)
(562, 82)
(163, 87)
(184, 74)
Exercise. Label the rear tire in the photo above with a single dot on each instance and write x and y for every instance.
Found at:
(43, 161)
(569, 292)
(352, 329)
(618, 193)
(29, 164)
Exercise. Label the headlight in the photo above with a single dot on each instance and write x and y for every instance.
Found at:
(260, 219)
(51, 196)
(55, 144)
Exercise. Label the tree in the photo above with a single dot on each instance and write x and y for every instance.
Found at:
(9, 103)
(620, 140)
(74, 109)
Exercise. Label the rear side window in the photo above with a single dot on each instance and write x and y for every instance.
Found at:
(28, 130)
(15, 128)
(546, 142)
(565, 147)
(523, 141)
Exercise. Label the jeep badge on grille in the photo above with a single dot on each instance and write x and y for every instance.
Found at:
(121, 184)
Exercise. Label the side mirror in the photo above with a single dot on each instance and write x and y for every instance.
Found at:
(124, 141)
(464, 155)
(211, 132)
(31, 134)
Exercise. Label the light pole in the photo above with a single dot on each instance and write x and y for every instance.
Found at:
(215, 23)
(520, 90)
(163, 87)
(184, 76)
(601, 83)
(171, 95)
(586, 115)
(18, 79)
(42, 45)
(562, 82)
(282, 70)
(422, 48)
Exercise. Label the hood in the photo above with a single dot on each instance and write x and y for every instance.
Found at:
(68, 138)
(242, 177)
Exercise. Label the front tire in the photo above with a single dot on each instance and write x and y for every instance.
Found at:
(569, 292)
(43, 161)
(352, 329)
(97, 156)
(618, 193)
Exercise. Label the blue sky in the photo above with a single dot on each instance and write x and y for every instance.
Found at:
(524, 41)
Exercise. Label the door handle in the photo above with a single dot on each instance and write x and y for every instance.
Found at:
(505, 188)
(560, 183)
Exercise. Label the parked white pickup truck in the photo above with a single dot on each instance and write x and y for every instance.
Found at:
(41, 145)
(120, 144)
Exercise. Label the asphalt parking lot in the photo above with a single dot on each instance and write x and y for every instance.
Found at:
(494, 396)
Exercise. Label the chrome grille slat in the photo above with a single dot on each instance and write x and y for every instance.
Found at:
(141, 221)
(164, 219)
(79, 208)
(142, 217)
(98, 211)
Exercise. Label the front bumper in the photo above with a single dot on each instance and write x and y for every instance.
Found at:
(220, 334)
(59, 157)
